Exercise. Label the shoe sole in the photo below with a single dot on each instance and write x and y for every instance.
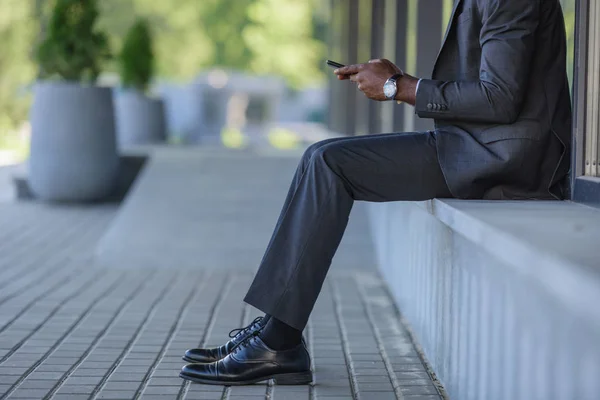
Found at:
(192, 361)
(297, 378)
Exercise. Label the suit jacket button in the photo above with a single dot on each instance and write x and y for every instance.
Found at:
(444, 107)
(429, 106)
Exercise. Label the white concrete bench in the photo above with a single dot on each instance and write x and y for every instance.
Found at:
(504, 297)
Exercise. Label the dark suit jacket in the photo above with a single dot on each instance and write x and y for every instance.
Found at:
(500, 100)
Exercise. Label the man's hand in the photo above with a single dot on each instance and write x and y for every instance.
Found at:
(371, 77)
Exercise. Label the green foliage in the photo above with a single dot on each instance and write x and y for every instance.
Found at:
(17, 32)
(257, 36)
(73, 50)
(281, 40)
(220, 29)
(137, 57)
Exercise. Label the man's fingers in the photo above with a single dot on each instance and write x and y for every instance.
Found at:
(348, 70)
(375, 60)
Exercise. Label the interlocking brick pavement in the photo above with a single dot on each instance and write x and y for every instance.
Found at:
(70, 330)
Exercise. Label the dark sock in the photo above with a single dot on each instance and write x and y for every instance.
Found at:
(265, 319)
(279, 335)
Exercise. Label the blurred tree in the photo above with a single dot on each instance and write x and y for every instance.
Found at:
(182, 45)
(223, 20)
(261, 36)
(73, 48)
(17, 33)
(281, 40)
(137, 57)
(115, 18)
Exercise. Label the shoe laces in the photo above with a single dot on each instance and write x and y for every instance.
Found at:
(244, 330)
(244, 343)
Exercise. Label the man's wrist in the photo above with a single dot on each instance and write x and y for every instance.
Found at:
(407, 89)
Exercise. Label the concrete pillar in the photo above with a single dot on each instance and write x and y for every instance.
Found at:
(394, 30)
(429, 39)
(336, 47)
(349, 99)
(377, 44)
(343, 45)
(401, 16)
(363, 54)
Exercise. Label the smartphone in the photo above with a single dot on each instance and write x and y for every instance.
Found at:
(334, 64)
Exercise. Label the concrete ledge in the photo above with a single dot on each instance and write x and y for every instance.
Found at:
(555, 243)
(502, 296)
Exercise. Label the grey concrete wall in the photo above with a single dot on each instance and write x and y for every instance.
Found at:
(494, 329)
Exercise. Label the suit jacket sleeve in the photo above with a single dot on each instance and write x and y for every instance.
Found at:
(507, 41)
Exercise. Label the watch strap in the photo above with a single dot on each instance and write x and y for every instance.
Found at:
(395, 77)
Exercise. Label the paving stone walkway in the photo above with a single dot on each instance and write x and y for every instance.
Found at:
(73, 330)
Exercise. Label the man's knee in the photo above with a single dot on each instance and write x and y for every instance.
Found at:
(312, 149)
(320, 146)
(327, 153)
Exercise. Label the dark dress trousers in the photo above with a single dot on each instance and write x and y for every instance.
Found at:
(500, 100)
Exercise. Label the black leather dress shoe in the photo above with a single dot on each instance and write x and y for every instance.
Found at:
(251, 362)
(211, 355)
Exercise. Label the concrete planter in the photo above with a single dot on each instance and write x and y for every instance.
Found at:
(139, 119)
(73, 144)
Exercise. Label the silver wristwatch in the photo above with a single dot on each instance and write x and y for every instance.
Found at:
(389, 87)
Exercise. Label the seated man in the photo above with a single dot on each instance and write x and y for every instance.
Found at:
(500, 101)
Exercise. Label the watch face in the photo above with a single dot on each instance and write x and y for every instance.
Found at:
(389, 90)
